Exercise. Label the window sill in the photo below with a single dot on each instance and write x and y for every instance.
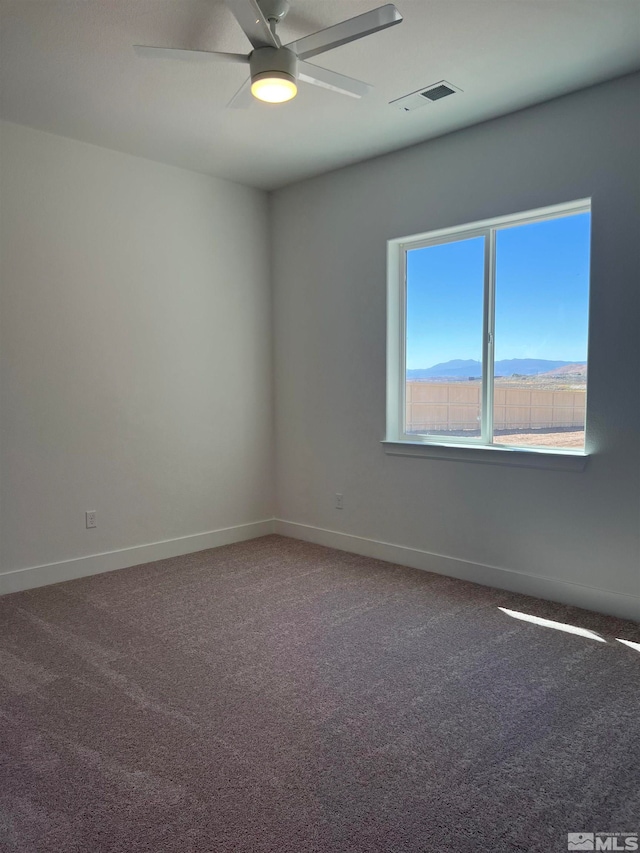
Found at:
(556, 460)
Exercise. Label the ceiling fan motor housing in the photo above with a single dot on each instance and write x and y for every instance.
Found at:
(273, 61)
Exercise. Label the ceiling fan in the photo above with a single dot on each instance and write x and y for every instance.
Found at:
(275, 68)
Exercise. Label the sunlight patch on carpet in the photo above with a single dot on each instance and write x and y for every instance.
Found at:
(559, 626)
(631, 645)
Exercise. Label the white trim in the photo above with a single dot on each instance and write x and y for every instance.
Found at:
(78, 567)
(397, 249)
(623, 605)
(395, 339)
(417, 241)
(488, 337)
(492, 454)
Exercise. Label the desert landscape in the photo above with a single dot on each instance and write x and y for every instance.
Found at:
(566, 440)
(531, 409)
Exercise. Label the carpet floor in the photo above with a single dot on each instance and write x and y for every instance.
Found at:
(279, 696)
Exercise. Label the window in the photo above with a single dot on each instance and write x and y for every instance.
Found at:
(487, 334)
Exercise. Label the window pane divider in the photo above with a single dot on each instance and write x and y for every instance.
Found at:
(488, 336)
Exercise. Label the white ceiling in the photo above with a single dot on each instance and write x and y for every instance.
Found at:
(67, 66)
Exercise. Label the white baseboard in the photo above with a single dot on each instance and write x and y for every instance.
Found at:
(65, 570)
(602, 601)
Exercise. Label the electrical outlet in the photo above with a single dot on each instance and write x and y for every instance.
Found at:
(339, 501)
(90, 518)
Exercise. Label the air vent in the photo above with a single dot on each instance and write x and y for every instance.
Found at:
(437, 92)
(424, 96)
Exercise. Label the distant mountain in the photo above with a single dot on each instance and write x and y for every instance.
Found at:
(458, 368)
(465, 368)
(572, 370)
(529, 366)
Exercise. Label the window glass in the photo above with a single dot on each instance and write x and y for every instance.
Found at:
(541, 314)
(444, 310)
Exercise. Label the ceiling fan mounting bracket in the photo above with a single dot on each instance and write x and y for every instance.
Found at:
(274, 10)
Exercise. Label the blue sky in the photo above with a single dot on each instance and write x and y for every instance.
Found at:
(542, 281)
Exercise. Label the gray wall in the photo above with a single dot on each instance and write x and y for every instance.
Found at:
(135, 353)
(579, 531)
(136, 370)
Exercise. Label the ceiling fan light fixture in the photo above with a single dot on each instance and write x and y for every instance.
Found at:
(274, 72)
(273, 87)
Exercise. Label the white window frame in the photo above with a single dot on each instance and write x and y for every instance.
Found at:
(399, 442)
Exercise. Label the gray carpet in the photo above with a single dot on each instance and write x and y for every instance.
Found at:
(280, 696)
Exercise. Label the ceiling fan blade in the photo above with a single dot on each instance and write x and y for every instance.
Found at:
(256, 27)
(346, 31)
(243, 97)
(148, 52)
(331, 80)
